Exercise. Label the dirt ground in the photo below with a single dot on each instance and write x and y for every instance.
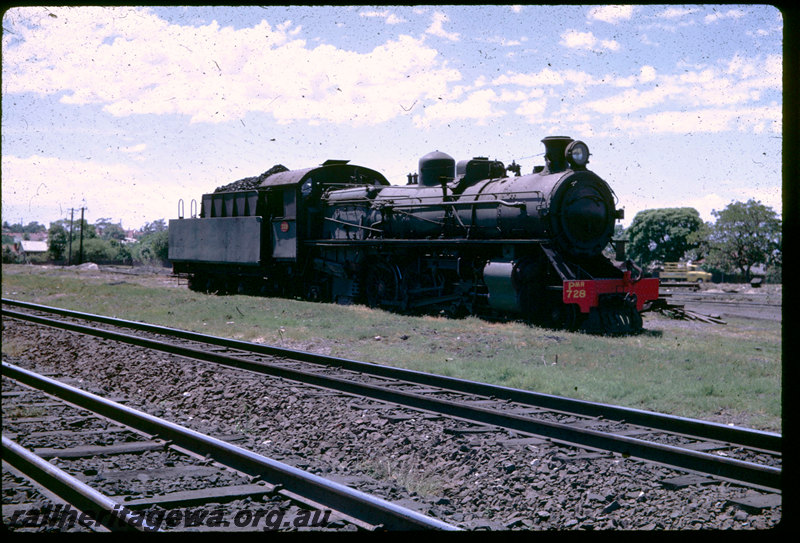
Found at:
(731, 300)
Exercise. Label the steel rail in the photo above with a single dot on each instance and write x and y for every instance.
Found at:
(767, 441)
(688, 299)
(728, 468)
(375, 511)
(102, 509)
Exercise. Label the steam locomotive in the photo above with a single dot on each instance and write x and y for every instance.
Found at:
(473, 237)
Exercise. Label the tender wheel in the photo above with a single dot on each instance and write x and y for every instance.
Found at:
(197, 282)
(314, 293)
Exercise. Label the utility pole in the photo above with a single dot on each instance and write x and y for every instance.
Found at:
(71, 218)
(81, 248)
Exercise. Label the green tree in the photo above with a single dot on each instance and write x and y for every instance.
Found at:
(159, 225)
(33, 227)
(10, 257)
(98, 250)
(109, 230)
(153, 247)
(619, 234)
(745, 234)
(58, 239)
(89, 231)
(663, 234)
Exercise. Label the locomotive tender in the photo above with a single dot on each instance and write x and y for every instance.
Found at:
(462, 238)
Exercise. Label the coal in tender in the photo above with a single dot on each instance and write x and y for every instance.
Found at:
(249, 183)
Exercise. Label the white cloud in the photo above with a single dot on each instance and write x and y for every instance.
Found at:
(503, 41)
(726, 97)
(706, 99)
(708, 120)
(478, 106)
(629, 101)
(611, 14)
(574, 39)
(388, 17)
(48, 187)
(730, 14)
(134, 148)
(132, 62)
(647, 74)
(704, 203)
(578, 40)
(545, 77)
(532, 110)
(437, 27)
(676, 13)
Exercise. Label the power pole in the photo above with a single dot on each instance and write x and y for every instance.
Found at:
(81, 249)
(71, 218)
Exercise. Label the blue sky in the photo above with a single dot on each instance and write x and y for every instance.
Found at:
(127, 110)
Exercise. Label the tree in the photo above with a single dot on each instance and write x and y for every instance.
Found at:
(89, 230)
(154, 247)
(100, 250)
(619, 234)
(663, 234)
(744, 235)
(109, 230)
(33, 227)
(159, 225)
(58, 239)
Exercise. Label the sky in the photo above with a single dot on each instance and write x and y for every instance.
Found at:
(127, 111)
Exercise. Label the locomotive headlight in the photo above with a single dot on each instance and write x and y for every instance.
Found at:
(577, 154)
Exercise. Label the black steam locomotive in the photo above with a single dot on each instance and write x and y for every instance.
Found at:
(464, 238)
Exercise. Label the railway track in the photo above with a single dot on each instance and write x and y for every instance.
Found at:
(712, 450)
(730, 303)
(207, 470)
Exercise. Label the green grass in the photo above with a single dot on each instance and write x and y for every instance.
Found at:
(408, 473)
(728, 373)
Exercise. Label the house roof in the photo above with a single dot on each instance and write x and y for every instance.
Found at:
(34, 246)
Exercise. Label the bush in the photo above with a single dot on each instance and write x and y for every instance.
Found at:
(152, 248)
(96, 249)
(11, 257)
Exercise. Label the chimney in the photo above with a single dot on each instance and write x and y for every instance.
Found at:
(555, 153)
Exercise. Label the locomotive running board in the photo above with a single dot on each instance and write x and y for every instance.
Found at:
(418, 242)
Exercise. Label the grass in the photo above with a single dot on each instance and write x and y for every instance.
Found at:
(406, 473)
(726, 373)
